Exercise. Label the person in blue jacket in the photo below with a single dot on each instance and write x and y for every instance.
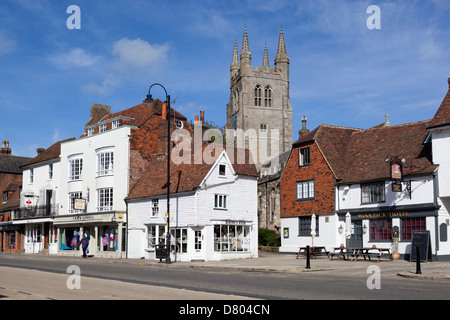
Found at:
(84, 245)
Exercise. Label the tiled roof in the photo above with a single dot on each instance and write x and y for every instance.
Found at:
(50, 153)
(356, 155)
(12, 164)
(442, 116)
(141, 112)
(183, 177)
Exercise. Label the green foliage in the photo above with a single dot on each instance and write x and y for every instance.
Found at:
(268, 238)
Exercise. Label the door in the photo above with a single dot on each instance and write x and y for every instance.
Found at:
(356, 239)
(198, 245)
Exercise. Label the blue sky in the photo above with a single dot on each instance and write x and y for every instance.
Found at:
(341, 72)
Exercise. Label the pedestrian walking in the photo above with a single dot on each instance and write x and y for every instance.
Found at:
(84, 245)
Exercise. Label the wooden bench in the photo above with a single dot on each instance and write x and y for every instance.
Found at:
(313, 251)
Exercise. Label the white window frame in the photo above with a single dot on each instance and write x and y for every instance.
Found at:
(115, 124)
(75, 168)
(105, 162)
(105, 199)
(306, 190)
(90, 131)
(72, 197)
(220, 201)
(155, 207)
(102, 128)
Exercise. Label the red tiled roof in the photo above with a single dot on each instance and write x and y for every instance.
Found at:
(356, 155)
(183, 177)
(141, 112)
(50, 153)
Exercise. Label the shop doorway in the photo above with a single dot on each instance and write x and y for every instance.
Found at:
(356, 239)
(198, 246)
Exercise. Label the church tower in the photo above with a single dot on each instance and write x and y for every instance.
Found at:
(259, 104)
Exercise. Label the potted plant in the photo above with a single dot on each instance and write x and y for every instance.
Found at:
(395, 239)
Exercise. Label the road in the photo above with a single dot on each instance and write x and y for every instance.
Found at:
(31, 277)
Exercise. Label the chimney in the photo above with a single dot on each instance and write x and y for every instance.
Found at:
(303, 130)
(5, 150)
(196, 119)
(40, 150)
(202, 116)
(98, 112)
(164, 111)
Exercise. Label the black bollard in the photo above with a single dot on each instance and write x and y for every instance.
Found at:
(307, 258)
(418, 271)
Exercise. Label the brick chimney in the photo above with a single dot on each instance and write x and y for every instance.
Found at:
(5, 150)
(98, 112)
(40, 150)
(303, 130)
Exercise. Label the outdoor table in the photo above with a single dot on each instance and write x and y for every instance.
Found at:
(340, 251)
(313, 251)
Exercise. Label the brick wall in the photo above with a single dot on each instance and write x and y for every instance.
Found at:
(319, 171)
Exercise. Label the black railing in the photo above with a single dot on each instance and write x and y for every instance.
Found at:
(37, 211)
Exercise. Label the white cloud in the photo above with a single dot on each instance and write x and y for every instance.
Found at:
(6, 45)
(72, 59)
(139, 54)
(106, 87)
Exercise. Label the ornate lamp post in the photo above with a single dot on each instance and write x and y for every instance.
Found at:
(149, 98)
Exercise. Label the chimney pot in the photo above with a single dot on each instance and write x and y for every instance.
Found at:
(164, 111)
(202, 117)
(5, 149)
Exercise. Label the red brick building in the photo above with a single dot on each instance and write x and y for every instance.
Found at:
(10, 187)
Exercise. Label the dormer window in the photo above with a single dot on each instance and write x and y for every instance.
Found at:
(102, 128)
(115, 124)
(90, 131)
(304, 157)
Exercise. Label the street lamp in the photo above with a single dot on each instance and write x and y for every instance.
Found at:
(149, 98)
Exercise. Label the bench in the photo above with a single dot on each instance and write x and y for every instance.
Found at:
(313, 251)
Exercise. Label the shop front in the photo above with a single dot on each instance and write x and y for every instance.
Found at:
(10, 238)
(106, 232)
(393, 228)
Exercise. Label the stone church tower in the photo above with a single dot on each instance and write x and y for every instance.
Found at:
(259, 102)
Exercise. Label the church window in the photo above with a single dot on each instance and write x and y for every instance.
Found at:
(267, 97)
(263, 128)
(258, 96)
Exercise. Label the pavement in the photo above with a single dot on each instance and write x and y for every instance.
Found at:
(281, 262)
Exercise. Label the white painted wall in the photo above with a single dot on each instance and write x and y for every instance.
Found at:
(88, 147)
(196, 211)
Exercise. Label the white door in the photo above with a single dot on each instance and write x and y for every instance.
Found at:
(198, 245)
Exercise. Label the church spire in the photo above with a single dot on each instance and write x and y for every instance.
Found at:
(281, 53)
(246, 55)
(266, 57)
(235, 60)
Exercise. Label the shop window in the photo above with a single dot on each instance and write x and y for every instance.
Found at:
(178, 240)
(109, 238)
(373, 193)
(304, 226)
(231, 238)
(381, 230)
(70, 238)
(410, 225)
(155, 235)
(12, 240)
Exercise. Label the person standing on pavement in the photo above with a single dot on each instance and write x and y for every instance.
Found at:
(84, 245)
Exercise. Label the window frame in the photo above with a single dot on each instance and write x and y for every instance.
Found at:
(308, 191)
(105, 199)
(220, 201)
(75, 168)
(304, 157)
(373, 194)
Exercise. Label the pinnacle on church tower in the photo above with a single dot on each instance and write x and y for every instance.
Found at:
(235, 60)
(246, 55)
(281, 52)
(266, 64)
